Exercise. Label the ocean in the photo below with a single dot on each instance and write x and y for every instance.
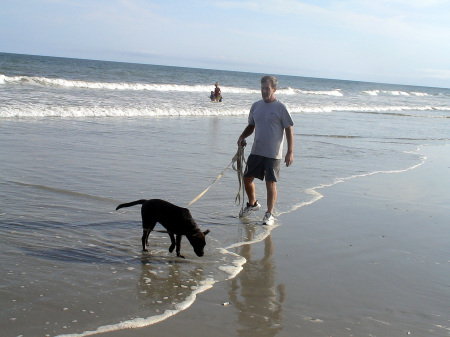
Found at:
(78, 137)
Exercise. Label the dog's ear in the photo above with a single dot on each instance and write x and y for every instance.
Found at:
(206, 232)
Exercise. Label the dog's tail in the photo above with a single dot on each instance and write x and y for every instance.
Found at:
(129, 204)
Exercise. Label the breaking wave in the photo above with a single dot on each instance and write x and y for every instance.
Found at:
(224, 110)
(78, 84)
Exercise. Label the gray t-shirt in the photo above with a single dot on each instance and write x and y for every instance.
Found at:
(270, 120)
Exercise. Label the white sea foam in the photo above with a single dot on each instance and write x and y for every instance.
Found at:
(58, 82)
(313, 191)
(395, 93)
(143, 322)
(293, 91)
(258, 238)
(372, 92)
(336, 92)
(238, 262)
(40, 111)
(421, 94)
(162, 87)
(85, 111)
(368, 109)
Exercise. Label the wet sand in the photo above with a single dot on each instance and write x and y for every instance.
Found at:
(371, 258)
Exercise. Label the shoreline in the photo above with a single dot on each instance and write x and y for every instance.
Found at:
(309, 286)
(359, 266)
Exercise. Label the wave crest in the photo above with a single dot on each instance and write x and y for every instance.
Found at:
(58, 82)
(394, 93)
(42, 111)
(162, 87)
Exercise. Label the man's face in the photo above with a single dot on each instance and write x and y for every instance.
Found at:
(267, 92)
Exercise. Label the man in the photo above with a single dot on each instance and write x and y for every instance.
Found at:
(217, 93)
(270, 119)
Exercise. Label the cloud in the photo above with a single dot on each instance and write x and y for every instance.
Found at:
(414, 3)
(391, 18)
(441, 74)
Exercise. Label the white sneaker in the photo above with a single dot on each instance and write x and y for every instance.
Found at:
(248, 209)
(268, 219)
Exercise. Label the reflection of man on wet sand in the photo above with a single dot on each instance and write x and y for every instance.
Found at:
(253, 292)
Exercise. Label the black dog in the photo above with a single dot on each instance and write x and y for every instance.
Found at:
(177, 220)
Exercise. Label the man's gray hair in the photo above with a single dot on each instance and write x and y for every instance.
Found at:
(272, 79)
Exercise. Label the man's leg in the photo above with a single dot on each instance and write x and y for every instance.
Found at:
(271, 195)
(250, 190)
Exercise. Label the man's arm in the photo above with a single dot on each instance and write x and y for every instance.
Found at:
(247, 132)
(289, 159)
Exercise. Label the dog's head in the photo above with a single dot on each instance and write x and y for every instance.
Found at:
(198, 241)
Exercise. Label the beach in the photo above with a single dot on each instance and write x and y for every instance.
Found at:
(359, 246)
(371, 258)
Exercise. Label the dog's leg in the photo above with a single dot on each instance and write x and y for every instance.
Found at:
(147, 226)
(172, 240)
(145, 234)
(178, 243)
(175, 243)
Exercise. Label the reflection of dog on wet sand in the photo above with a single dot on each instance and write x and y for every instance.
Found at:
(177, 220)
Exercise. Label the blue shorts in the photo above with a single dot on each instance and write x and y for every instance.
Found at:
(262, 167)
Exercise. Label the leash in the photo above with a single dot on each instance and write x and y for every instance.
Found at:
(237, 164)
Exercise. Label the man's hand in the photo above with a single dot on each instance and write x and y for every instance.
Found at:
(242, 142)
(289, 159)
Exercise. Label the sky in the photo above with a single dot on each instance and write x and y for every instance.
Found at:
(387, 41)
